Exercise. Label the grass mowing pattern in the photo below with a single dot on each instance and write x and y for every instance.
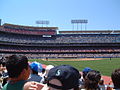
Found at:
(105, 66)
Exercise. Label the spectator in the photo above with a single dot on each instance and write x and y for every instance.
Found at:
(18, 71)
(102, 85)
(48, 67)
(92, 79)
(35, 69)
(42, 74)
(84, 73)
(116, 78)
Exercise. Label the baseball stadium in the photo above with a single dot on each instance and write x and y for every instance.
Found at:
(59, 45)
(96, 49)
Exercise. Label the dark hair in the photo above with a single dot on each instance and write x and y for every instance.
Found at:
(92, 79)
(116, 78)
(84, 74)
(15, 65)
(43, 70)
(101, 82)
(34, 72)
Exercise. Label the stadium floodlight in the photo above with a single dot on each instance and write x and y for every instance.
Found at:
(79, 21)
(42, 22)
(0, 22)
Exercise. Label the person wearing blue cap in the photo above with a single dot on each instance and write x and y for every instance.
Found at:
(84, 73)
(35, 69)
(92, 80)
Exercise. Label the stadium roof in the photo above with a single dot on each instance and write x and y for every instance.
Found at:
(91, 32)
(29, 27)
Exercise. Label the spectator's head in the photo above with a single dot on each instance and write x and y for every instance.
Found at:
(48, 67)
(36, 67)
(43, 70)
(85, 71)
(17, 65)
(63, 77)
(116, 78)
(92, 79)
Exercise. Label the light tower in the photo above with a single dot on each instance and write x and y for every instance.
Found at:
(0, 22)
(80, 21)
(42, 22)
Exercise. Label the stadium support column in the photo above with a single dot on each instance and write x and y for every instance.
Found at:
(73, 26)
(77, 26)
(81, 26)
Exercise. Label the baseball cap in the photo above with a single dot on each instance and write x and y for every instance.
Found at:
(87, 69)
(66, 74)
(36, 66)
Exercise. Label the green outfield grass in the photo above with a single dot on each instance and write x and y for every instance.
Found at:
(105, 66)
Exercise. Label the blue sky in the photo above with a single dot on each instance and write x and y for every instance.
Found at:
(101, 14)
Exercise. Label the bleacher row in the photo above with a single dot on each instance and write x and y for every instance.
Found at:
(37, 56)
(28, 30)
(16, 39)
(31, 49)
(60, 38)
(45, 32)
(44, 56)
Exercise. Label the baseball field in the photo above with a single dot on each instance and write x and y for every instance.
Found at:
(104, 65)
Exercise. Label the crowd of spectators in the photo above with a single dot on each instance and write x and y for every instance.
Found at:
(29, 30)
(61, 77)
(61, 38)
(19, 48)
(37, 56)
(47, 56)
(32, 43)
